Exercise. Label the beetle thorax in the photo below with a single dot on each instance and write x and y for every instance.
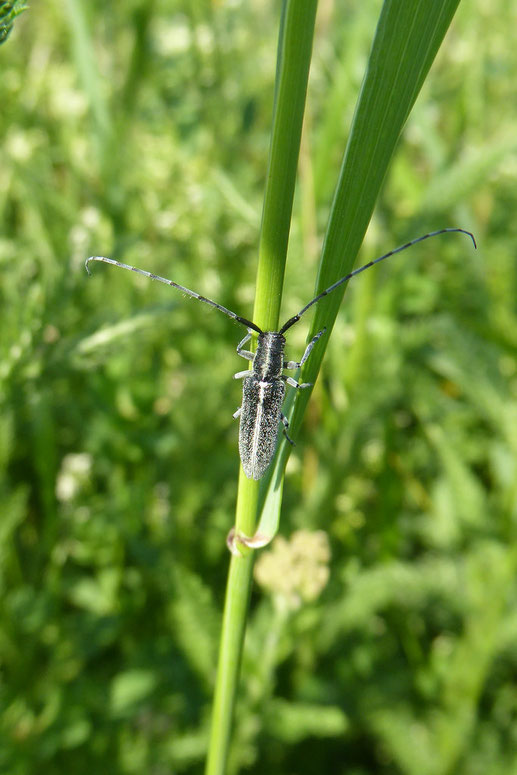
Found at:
(269, 357)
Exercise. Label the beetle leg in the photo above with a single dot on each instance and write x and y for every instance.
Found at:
(242, 374)
(237, 413)
(294, 383)
(296, 364)
(285, 422)
(245, 353)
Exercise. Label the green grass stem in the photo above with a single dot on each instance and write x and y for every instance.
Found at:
(294, 56)
(406, 41)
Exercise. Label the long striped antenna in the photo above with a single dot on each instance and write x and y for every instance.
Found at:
(181, 288)
(344, 279)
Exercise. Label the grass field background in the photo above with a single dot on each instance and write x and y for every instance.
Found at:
(141, 131)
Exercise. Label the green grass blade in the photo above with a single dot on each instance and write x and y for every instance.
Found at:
(83, 50)
(406, 41)
(294, 56)
(291, 87)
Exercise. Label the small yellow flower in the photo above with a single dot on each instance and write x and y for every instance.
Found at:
(295, 571)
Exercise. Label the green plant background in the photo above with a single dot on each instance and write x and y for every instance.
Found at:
(141, 130)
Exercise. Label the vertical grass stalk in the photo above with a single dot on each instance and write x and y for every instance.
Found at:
(294, 56)
(406, 41)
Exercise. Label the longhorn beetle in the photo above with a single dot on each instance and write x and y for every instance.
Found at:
(264, 385)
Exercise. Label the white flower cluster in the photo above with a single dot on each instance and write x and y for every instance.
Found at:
(295, 571)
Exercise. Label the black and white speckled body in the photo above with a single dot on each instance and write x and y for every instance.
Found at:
(262, 397)
(263, 394)
(264, 385)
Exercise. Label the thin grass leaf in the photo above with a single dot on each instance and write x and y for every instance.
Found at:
(294, 56)
(83, 49)
(407, 39)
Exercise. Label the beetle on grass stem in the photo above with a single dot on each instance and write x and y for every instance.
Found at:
(264, 385)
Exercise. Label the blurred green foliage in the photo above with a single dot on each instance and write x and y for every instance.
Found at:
(140, 131)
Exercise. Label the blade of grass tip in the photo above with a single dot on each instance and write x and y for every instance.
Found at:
(294, 55)
(406, 41)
